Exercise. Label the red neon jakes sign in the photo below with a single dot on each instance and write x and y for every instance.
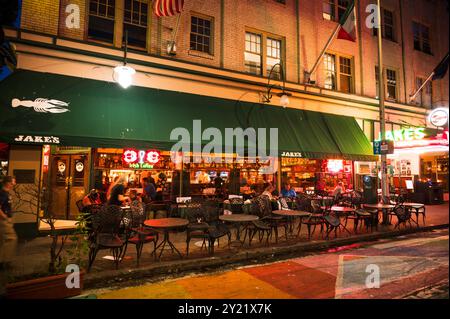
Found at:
(140, 159)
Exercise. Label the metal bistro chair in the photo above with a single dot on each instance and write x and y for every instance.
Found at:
(197, 227)
(314, 220)
(217, 229)
(107, 224)
(262, 207)
(403, 216)
(136, 233)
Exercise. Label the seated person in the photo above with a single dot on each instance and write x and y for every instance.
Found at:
(339, 189)
(149, 189)
(268, 192)
(288, 191)
(117, 196)
(93, 198)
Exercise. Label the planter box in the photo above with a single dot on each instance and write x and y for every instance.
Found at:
(52, 287)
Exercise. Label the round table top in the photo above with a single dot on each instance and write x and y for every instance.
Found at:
(238, 218)
(379, 206)
(340, 209)
(166, 222)
(413, 204)
(291, 213)
(125, 207)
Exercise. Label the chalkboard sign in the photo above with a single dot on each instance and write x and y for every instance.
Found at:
(24, 176)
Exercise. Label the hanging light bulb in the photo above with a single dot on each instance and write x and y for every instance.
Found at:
(284, 100)
(123, 75)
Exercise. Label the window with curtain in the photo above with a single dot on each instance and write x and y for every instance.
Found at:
(345, 75)
(135, 22)
(391, 84)
(101, 20)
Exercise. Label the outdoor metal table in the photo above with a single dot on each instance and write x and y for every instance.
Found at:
(383, 208)
(238, 219)
(166, 225)
(415, 207)
(291, 214)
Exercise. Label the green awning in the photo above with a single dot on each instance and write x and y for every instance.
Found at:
(349, 137)
(101, 114)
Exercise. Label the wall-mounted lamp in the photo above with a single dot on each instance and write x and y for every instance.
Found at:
(283, 95)
(123, 74)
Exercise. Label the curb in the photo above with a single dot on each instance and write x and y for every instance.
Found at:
(259, 255)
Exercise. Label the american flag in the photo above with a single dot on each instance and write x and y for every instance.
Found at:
(167, 8)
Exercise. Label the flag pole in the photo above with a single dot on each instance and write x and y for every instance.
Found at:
(384, 181)
(335, 32)
(413, 96)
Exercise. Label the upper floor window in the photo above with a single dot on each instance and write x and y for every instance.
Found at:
(421, 34)
(101, 20)
(281, 1)
(262, 49)
(135, 22)
(273, 58)
(253, 53)
(334, 10)
(390, 85)
(338, 73)
(425, 96)
(201, 35)
(387, 25)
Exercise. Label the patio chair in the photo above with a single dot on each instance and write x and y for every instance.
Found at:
(262, 207)
(419, 211)
(359, 215)
(403, 216)
(198, 227)
(217, 229)
(314, 220)
(136, 233)
(236, 205)
(107, 224)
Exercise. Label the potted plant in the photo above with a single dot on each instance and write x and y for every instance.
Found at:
(64, 277)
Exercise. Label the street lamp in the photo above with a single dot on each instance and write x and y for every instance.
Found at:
(123, 74)
(283, 95)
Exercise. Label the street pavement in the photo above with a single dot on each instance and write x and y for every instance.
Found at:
(413, 266)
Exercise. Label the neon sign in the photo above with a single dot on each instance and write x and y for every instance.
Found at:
(335, 166)
(410, 134)
(140, 159)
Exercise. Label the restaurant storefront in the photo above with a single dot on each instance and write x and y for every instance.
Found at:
(83, 133)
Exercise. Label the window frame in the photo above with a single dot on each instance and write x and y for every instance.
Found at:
(335, 8)
(397, 84)
(146, 27)
(264, 38)
(88, 17)
(422, 27)
(338, 72)
(211, 35)
(383, 26)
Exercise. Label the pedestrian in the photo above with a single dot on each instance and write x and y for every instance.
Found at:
(8, 237)
(149, 189)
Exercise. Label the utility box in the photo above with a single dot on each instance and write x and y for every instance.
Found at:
(370, 188)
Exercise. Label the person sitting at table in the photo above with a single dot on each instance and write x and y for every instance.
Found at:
(288, 191)
(268, 191)
(339, 189)
(149, 193)
(117, 196)
(93, 198)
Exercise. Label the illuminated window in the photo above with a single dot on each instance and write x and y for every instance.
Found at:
(101, 20)
(135, 22)
(390, 85)
(338, 77)
(273, 57)
(253, 53)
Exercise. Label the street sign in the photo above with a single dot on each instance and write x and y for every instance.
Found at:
(383, 147)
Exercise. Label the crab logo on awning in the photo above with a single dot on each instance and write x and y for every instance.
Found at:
(41, 105)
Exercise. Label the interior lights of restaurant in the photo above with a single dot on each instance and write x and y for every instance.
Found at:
(335, 166)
